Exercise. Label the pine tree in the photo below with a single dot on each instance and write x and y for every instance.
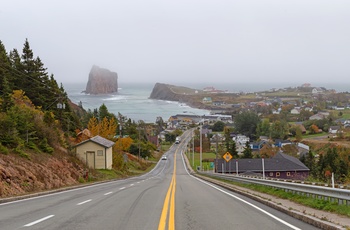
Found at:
(5, 65)
(233, 150)
(7, 101)
(247, 152)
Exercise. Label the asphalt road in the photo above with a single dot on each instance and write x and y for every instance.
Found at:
(166, 198)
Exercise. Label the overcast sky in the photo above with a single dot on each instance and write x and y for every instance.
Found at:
(185, 40)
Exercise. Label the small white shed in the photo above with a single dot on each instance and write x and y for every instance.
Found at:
(95, 152)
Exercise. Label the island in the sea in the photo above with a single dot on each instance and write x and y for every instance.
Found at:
(101, 81)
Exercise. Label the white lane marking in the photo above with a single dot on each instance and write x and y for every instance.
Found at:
(38, 221)
(131, 185)
(138, 182)
(84, 202)
(107, 193)
(122, 188)
(240, 199)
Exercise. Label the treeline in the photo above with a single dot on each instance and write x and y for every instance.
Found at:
(34, 109)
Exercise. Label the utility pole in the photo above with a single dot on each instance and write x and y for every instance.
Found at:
(216, 155)
(192, 149)
(120, 133)
(200, 147)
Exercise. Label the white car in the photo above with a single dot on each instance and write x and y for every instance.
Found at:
(164, 157)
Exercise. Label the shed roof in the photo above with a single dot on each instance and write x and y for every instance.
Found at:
(100, 141)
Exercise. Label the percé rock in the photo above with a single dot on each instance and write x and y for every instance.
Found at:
(101, 81)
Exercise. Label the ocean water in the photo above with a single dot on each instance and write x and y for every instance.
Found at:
(133, 101)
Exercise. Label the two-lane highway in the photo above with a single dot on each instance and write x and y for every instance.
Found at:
(166, 198)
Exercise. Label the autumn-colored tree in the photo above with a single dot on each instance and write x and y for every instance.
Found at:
(268, 151)
(291, 150)
(93, 126)
(314, 129)
(122, 144)
(106, 128)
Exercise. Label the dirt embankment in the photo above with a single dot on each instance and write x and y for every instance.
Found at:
(19, 176)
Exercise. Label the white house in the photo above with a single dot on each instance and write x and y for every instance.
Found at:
(241, 139)
(317, 90)
(334, 129)
(95, 152)
(296, 110)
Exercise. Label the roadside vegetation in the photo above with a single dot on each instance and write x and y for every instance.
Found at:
(319, 204)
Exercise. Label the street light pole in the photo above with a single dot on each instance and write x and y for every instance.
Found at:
(200, 147)
(192, 149)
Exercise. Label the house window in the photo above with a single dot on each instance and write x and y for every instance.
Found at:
(271, 173)
(99, 152)
(277, 174)
(288, 173)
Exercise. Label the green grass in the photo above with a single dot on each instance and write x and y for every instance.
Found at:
(165, 147)
(205, 156)
(108, 174)
(346, 114)
(319, 204)
(315, 135)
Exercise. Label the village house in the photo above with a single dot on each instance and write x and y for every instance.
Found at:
(95, 152)
(280, 166)
(316, 91)
(317, 116)
(303, 149)
(207, 100)
(334, 129)
(295, 110)
(218, 103)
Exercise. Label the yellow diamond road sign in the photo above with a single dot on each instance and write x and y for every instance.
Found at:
(227, 156)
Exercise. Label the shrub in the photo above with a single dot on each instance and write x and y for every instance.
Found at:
(3, 149)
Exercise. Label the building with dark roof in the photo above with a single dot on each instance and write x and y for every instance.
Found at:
(95, 152)
(280, 166)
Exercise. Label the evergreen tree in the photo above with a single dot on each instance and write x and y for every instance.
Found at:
(228, 139)
(5, 66)
(233, 150)
(247, 152)
(5, 91)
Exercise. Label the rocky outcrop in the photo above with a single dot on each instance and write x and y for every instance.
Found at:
(101, 81)
(164, 92)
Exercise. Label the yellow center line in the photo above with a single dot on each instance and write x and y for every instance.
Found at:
(170, 196)
(172, 201)
(169, 201)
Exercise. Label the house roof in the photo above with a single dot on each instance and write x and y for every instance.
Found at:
(280, 162)
(98, 140)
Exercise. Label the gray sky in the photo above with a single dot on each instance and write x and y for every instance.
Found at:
(185, 40)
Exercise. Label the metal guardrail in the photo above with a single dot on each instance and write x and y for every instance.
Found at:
(342, 196)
